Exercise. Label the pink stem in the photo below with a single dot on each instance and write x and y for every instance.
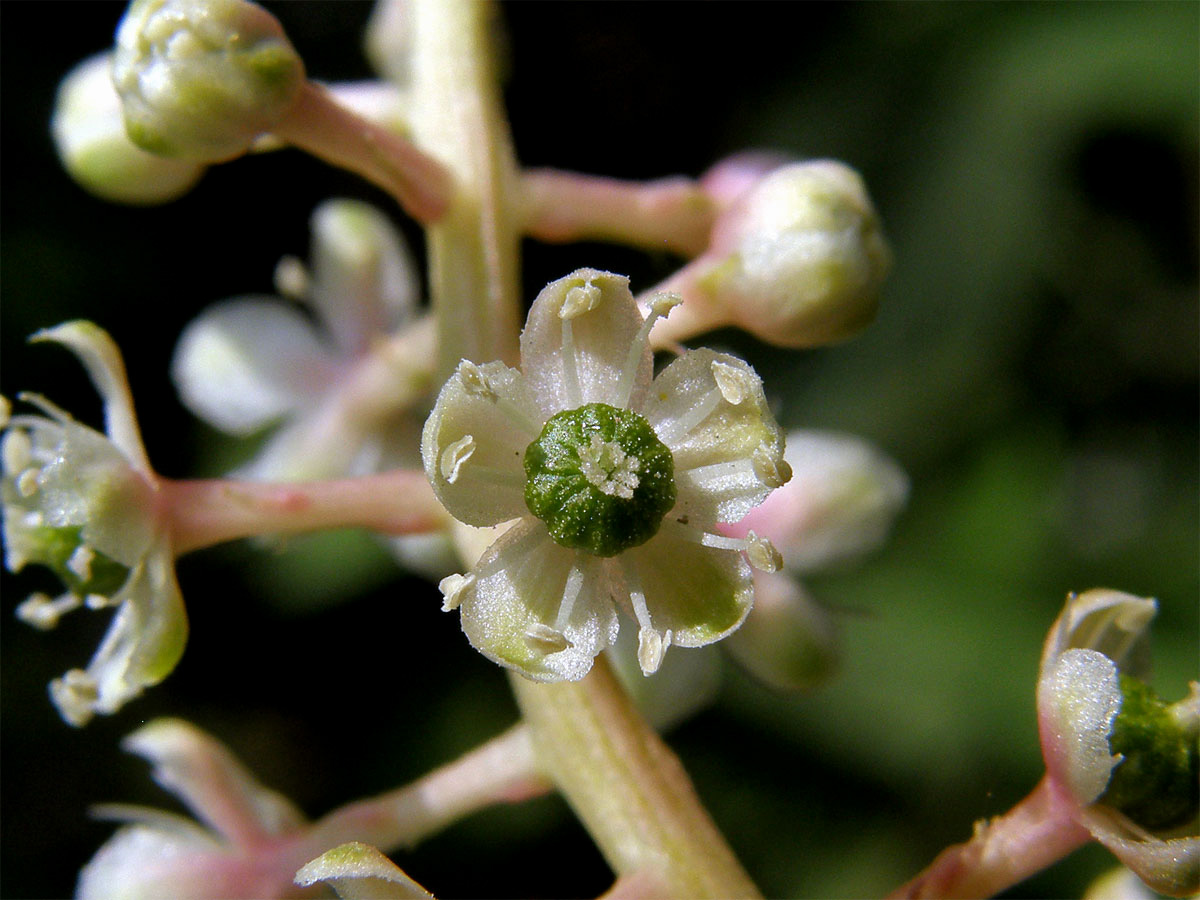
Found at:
(670, 214)
(1038, 831)
(319, 125)
(203, 512)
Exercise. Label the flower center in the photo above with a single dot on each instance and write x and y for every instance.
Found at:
(600, 479)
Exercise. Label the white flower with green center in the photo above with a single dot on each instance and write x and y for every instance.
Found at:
(83, 504)
(615, 479)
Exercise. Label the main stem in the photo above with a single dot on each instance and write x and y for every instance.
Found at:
(627, 787)
(457, 116)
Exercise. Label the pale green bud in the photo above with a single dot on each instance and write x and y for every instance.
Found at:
(202, 79)
(89, 134)
(800, 259)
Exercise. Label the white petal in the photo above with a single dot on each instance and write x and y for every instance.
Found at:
(491, 404)
(141, 862)
(537, 607)
(364, 279)
(244, 363)
(710, 410)
(698, 593)
(1078, 698)
(1112, 622)
(102, 359)
(1170, 866)
(604, 322)
(212, 782)
(360, 872)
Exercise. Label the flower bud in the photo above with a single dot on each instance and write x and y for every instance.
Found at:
(797, 260)
(788, 641)
(89, 133)
(202, 79)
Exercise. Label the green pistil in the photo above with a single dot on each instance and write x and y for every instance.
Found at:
(55, 548)
(1156, 783)
(600, 479)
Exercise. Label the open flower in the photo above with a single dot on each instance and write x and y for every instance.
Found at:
(616, 482)
(83, 504)
(1126, 759)
(250, 844)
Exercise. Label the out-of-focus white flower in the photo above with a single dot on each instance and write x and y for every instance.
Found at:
(83, 504)
(89, 133)
(339, 383)
(249, 840)
(840, 504)
(203, 79)
(360, 872)
(1127, 760)
(616, 480)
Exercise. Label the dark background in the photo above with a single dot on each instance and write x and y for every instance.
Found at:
(1034, 368)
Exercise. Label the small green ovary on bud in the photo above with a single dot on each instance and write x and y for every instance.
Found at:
(82, 569)
(600, 479)
(1156, 782)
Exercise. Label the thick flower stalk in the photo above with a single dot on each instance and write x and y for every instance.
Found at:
(84, 504)
(615, 481)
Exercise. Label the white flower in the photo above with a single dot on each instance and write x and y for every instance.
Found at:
(1127, 760)
(83, 504)
(250, 844)
(616, 481)
(337, 387)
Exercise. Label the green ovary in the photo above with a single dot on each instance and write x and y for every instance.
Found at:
(1156, 783)
(600, 479)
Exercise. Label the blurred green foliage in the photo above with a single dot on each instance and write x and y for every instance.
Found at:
(1034, 367)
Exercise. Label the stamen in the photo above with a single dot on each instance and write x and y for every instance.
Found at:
(27, 482)
(42, 612)
(579, 300)
(475, 381)
(762, 554)
(454, 588)
(80, 562)
(455, 456)
(75, 694)
(770, 468)
(16, 451)
(717, 475)
(675, 430)
(99, 601)
(735, 384)
(660, 307)
(545, 639)
(570, 595)
(570, 367)
(292, 279)
(5, 410)
(651, 647)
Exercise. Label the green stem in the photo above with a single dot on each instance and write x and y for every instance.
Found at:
(627, 787)
(457, 117)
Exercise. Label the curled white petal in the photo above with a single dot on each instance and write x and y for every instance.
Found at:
(360, 872)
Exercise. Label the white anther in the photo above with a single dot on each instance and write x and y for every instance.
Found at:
(16, 451)
(43, 612)
(5, 410)
(661, 304)
(762, 553)
(75, 695)
(770, 467)
(545, 639)
(99, 601)
(453, 588)
(28, 482)
(291, 278)
(651, 647)
(80, 562)
(735, 383)
(455, 456)
(475, 382)
(579, 300)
